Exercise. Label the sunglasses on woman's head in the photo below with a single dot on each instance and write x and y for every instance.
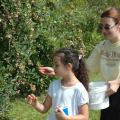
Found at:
(106, 26)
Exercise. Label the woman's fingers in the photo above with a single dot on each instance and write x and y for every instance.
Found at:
(112, 87)
(44, 70)
(47, 70)
(109, 92)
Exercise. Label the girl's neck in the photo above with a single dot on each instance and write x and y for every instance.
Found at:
(70, 80)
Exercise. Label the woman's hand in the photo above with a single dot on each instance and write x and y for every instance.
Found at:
(47, 71)
(113, 87)
(60, 114)
(32, 100)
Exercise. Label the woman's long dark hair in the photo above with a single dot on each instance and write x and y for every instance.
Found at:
(69, 55)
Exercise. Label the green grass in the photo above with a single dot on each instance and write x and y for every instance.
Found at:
(20, 110)
(94, 115)
(95, 77)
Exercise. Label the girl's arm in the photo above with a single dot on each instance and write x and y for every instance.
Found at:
(83, 114)
(42, 108)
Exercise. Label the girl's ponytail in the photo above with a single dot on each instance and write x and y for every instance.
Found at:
(82, 73)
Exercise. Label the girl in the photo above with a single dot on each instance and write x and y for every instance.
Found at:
(68, 96)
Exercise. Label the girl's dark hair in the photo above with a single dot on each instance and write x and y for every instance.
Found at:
(69, 55)
(112, 12)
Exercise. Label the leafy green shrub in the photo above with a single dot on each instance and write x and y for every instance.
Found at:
(23, 49)
(6, 91)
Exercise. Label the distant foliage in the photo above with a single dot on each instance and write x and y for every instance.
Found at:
(30, 30)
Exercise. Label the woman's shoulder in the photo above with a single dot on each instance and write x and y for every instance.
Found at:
(102, 43)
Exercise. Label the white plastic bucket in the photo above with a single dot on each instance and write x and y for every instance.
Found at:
(97, 95)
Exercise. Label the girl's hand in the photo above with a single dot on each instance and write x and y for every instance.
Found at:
(60, 114)
(113, 87)
(32, 100)
(47, 71)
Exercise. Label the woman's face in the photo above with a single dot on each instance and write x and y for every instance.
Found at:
(110, 29)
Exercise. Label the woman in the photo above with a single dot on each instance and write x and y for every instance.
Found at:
(105, 59)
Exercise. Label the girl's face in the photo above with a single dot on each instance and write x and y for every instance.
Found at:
(59, 68)
(110, 29)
